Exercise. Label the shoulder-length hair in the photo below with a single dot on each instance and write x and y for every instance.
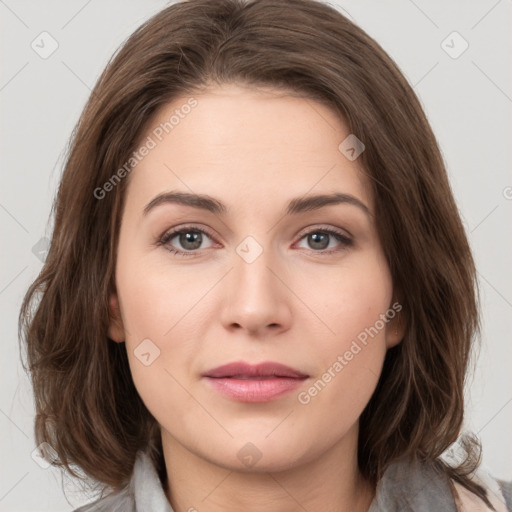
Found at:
(87, 407)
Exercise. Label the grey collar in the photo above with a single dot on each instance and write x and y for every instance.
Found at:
(418, 487)
(148, 490)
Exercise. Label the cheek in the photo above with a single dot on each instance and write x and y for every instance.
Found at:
(353, 348)
(155, 297)
(351, 358)
(352, 298)
(159, 323)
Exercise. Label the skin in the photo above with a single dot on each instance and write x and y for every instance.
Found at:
(254, 150)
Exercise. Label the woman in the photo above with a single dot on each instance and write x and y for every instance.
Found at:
(259, 293)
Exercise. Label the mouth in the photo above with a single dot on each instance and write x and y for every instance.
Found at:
(264, 382)
(243, 370)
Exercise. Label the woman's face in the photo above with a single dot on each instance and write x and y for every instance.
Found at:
(258, 277)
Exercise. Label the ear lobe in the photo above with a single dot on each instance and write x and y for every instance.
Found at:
(395, 331)
(115, 327)
(397, 325)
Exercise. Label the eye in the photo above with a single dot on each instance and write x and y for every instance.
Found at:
(320, 239)
(190, 239)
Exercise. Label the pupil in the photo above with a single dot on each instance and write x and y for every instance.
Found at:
(190, 238)
(319, 241)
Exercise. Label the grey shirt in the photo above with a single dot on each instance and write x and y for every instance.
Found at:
(418, 487)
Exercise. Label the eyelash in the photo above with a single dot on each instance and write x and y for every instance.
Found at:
(167, 237)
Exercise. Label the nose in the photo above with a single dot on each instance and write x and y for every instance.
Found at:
(256, 298)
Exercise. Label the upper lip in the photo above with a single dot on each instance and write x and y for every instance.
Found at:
(243, 369)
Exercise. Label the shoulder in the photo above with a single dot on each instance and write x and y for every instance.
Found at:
(498, 492)
(118, 501)
(144, 491)
(122, 500)
(506, 491)
(414, 485)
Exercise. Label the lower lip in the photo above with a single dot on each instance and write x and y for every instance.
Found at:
(255, 390)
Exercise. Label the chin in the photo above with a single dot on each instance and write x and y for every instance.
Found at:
(258, 455)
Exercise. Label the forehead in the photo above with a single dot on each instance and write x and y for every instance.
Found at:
(245, 144)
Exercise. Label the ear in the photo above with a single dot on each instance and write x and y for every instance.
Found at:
(115, 328)
(396, 326)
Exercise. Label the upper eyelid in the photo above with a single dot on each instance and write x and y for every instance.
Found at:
(171, 233)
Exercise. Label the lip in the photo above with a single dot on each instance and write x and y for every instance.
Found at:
(246, 370)
(263, 382)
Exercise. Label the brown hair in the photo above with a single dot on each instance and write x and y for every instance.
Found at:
(87, 407)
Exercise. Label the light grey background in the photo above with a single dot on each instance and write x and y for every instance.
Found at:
(468, 100)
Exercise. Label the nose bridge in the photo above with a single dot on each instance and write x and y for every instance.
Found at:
(255, 298)
(251, 273)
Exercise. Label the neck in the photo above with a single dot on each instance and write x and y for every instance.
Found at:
(331, 483)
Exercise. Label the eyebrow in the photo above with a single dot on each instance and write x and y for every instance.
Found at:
(295, 206)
